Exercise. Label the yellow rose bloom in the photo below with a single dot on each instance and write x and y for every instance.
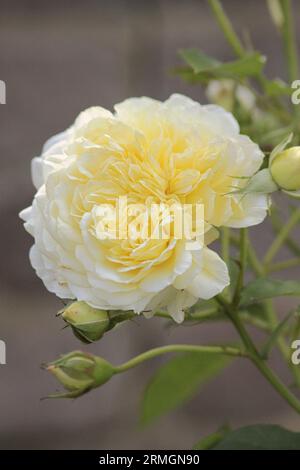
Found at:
(149, 151)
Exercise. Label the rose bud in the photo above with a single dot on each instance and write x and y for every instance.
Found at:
(88, 323)
(79, 373)
(285, 169)
(226, 93)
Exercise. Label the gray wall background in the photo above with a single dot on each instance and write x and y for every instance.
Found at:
(58, 58)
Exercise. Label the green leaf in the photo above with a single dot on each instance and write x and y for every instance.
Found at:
(280, 147)
(248, 66)
(260, 437)
(261, 183)
(277, 87)
(200, 63)
(176, 382)
(275, 135)
(187, 74)
(263, 288)
(209, 442)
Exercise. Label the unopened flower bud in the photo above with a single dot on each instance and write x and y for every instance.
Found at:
(285, 169)
(226, 92)
(79, 373)
(88, 323)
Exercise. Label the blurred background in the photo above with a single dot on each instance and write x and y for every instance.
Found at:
(58, 58)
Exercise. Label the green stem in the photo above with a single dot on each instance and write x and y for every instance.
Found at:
(243, 253)
(226, 27)
(254, 261)
(178, 348)
(290, 243)
(288, 33)
(256, 322)
(290, 263)
(215, 315)
(273, 322)
(261, 270)
(243, 264)
(225, 244)
(212, 313)
(255, 264)
(282, 236)
(225, 249)
(256, 359)
(238, 48)
(284, 349)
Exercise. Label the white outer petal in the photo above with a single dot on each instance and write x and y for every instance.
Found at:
(213, 277)
(54, 146)
(254, 209)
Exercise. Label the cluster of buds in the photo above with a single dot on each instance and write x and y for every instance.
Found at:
(227, 92)
(89, 324)
(254, 119)
(79, 373)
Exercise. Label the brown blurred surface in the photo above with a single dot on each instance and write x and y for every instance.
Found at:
(58, 58)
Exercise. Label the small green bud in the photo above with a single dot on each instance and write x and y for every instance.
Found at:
(79, 373)
(88, 323)
(285, 169)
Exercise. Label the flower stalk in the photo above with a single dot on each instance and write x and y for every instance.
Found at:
(179, 348)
